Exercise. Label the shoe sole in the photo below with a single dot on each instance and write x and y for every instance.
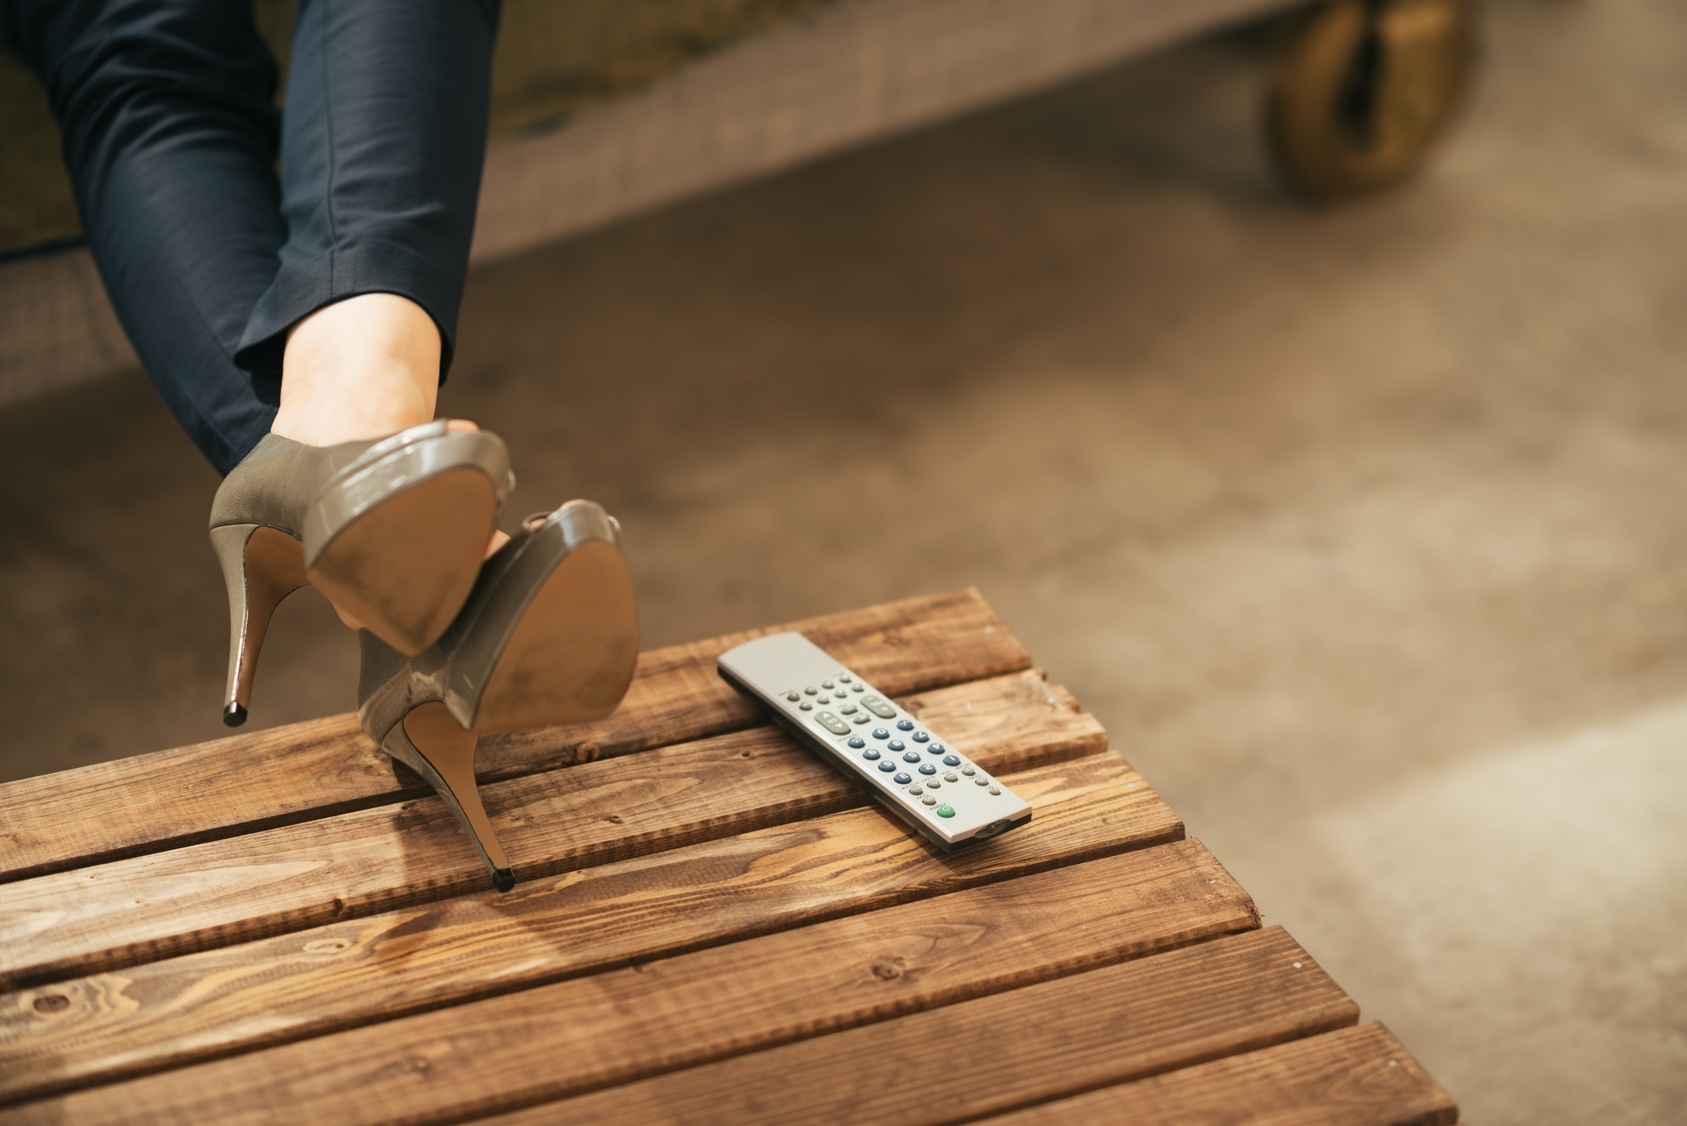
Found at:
(404, 568)
(574, 652)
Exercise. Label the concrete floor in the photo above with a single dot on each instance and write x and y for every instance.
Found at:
(1360, 529)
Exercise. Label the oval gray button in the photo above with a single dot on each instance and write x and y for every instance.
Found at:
(831, 723)
(877, 706)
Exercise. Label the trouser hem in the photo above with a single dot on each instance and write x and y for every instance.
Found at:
(304, 285)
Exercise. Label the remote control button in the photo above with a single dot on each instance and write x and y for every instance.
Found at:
(938, 749)
(950, 760)
(933, 784)
(844, 676)
(858, 688)
(871, 754)
(857, 742)
(831, 723)
(928, 769)
(920, 736)
(877, 706)
(968, 771)
(809, 692)
(862, 718)
(827, 684)
(897, 745)
(910, 756)
(945, 810)
(903, 779)
(928, 800)
(849, 709)
(793, 696)
(806, 706)
(880, 733)
(905, 725)
(951, 776)
(981, 781)
(995, 789)
(887, 766)
(915, 790)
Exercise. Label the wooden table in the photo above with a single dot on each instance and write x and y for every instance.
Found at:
(712, 926)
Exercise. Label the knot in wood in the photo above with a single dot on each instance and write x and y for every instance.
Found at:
(52, 1003)
(587, 752)
(888, 969)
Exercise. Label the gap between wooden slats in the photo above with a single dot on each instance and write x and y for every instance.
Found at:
(349, 974)
(1351, 1077)
(288, 775)
(615, 1027)
(998, 1053)
(224, 892)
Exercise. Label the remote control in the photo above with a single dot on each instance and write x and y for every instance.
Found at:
(924, 780)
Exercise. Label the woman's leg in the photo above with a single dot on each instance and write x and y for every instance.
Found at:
(170, 134)
(383, 139)
(215, 270)
(382, 144)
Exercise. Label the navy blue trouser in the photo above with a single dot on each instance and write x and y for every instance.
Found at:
(208, 253)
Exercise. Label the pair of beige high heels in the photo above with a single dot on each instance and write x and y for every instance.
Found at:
(544, 631)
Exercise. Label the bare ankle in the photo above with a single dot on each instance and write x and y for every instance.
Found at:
(359, 368)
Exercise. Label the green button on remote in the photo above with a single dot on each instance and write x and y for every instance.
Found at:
(945, 810)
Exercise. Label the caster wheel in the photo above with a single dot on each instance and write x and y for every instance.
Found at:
(1363, 88)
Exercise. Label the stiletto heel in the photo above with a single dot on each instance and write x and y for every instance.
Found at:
(448, 766)
(261, 566)
(548, 635)
(391, 530)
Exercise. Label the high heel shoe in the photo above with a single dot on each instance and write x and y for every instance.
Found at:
(392, 530)
(548, 635)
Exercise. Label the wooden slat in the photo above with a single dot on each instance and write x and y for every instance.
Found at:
(306, 771)
(1352, 1077)
(573, 1036)
(396, 963)
(227, 891)
(996, 1053)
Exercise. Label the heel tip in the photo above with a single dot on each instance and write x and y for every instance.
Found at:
(234, 715)
(503, 879)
